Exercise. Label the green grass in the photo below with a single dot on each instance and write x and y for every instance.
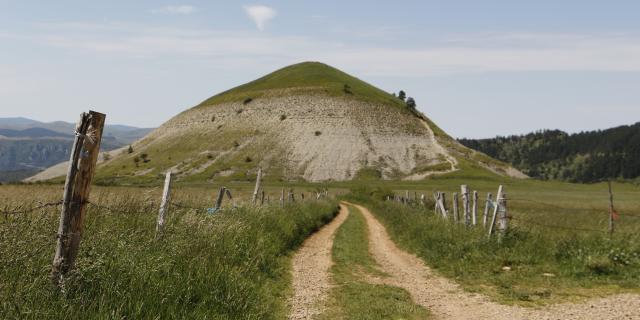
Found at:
(230, 265)
(353, 297)
(304, 78)
(583, 264)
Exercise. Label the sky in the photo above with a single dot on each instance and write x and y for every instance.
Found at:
(478, 68)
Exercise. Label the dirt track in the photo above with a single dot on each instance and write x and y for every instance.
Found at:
(311, 281)
(446, 300)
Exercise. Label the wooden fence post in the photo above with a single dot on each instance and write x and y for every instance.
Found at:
(219, 199)
(82, 164)
(456, 215)
(282, 198)
(228, 192)
(262, 198)
(503, 215)
(495, 210)
(488, 204)
(257, 188)
(474, 209)
(164, 205)
(464, 190)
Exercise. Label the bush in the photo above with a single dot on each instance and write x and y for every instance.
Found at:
(282, 117)
(247, 101)
(317, 133)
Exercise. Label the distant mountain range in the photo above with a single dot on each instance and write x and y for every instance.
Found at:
(581, 157)
(28, 146)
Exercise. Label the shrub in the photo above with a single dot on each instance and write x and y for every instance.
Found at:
(247, 100)
(248, 159)
(317, 133)
(282, 117)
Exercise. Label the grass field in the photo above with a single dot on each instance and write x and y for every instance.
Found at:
(224, 266)
(230, 264)
(558, 229)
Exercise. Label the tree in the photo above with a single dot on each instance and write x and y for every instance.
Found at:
(402, 95)
(144, 157)
(411, 103)
(130, 150)
(136, 160)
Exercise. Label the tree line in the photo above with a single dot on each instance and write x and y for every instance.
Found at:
(581, 157)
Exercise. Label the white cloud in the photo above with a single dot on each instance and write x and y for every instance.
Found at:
(175, 9)
(510, 52)
(260, 15)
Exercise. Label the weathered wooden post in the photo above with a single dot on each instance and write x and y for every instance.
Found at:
(164, 205)
(611, 209)
(84, 155)
(302, 196)
(406, 197)
(503, 215)
(219, 199)
(464, 190)
(436, 200)
(257, 188)
(496, 207)
(456, 215)
(474, 209)
(228, 192)
(488, 204)
(262, 198)
(291, 196)
(282, 198)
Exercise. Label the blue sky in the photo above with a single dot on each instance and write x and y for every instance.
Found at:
(477, 68)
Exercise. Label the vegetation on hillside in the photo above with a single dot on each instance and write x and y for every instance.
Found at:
(582, 157)
(229, 265)
(307, 77)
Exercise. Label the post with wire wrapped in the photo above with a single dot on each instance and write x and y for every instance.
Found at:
(82, 164)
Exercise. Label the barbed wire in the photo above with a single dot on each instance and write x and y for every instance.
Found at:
(32, 209)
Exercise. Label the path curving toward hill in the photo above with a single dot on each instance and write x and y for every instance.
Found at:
(310, 271)
(446, 300)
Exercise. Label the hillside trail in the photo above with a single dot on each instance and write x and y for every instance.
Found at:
(310, 270)
(446, 300)
(441, 150)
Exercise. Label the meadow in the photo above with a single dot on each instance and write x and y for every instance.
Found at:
(557, 248)
(232, 264)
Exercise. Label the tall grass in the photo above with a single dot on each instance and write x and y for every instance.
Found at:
(231, 265)
(544, 265)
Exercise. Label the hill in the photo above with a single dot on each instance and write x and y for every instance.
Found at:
(308, 121)
(582, 157)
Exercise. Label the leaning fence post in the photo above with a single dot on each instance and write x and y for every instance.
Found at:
(164, 205)
(464, 190)
(220, 197)
(456, 215)
(487, 205)
(82, 164)
(495, 210)
(257, 188)
(228, 192)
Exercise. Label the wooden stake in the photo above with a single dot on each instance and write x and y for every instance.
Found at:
(219, 199)
(164, 205)
(84, 155)
(262, 198)
(611, 208)
(257, 188)
(456, 215)
(495, 210)
(474, 209)
(488, 204)
(503, 217)
(464, 190)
